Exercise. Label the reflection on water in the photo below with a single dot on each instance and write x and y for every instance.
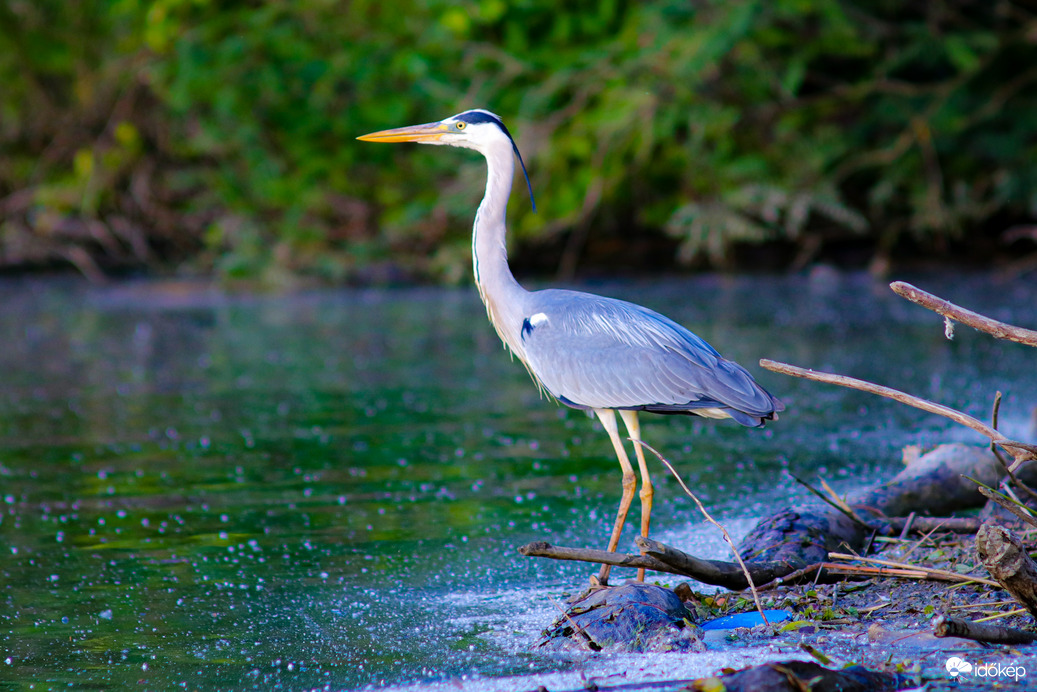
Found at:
(204, 490)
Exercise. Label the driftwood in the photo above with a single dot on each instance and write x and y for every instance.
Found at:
(717, 572)
(945, 626)
(1008, 562)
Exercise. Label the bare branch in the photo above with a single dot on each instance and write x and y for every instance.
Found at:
(999, 330)
(888, 392)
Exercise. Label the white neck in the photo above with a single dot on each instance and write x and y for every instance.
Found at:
(500, 292)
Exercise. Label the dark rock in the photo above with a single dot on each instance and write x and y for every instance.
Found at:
(632, 617)
(796, 676)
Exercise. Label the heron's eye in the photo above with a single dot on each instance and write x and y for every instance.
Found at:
(461, 125)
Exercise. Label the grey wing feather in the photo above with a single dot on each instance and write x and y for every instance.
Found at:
(595, 352)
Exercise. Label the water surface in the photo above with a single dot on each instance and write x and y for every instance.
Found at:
(326, 490)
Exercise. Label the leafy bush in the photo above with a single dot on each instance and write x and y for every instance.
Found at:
(220, 135)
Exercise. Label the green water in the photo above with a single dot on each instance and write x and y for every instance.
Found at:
(208, 491)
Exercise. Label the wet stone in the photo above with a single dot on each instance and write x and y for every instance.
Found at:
(629, 618)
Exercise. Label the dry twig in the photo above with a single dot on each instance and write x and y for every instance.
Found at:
(1013, 506)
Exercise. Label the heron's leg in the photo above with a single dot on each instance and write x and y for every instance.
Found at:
(608, 421)
(647, 491)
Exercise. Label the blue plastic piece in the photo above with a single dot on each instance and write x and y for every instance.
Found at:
(750, 619)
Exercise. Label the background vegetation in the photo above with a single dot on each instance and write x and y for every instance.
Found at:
(208, 135)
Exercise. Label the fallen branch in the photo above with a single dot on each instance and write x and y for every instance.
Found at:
(728, 575)
(602, 557)
(999, 330)
(947, 626)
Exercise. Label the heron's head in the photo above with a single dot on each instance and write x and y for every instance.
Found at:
(475, 129)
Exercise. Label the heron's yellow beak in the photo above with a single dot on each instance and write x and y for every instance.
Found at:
(429, 132)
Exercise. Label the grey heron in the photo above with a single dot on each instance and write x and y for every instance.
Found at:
(587, 351)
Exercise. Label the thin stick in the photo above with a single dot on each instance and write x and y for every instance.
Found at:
(587, 640)
(977, 606)
(792, 577)
(920, 541)
(940, 574)
(816, 653)
(999, 330)
(993, 424)
(861, 570)
(1005, 502)
(833, 501)
(907, 526)
(711, 520)
(1010, 470)
(1006, 614)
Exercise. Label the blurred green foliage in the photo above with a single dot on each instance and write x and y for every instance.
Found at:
(219, 136)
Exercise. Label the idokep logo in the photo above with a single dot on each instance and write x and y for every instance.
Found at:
(956, 666)
(985, 671)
